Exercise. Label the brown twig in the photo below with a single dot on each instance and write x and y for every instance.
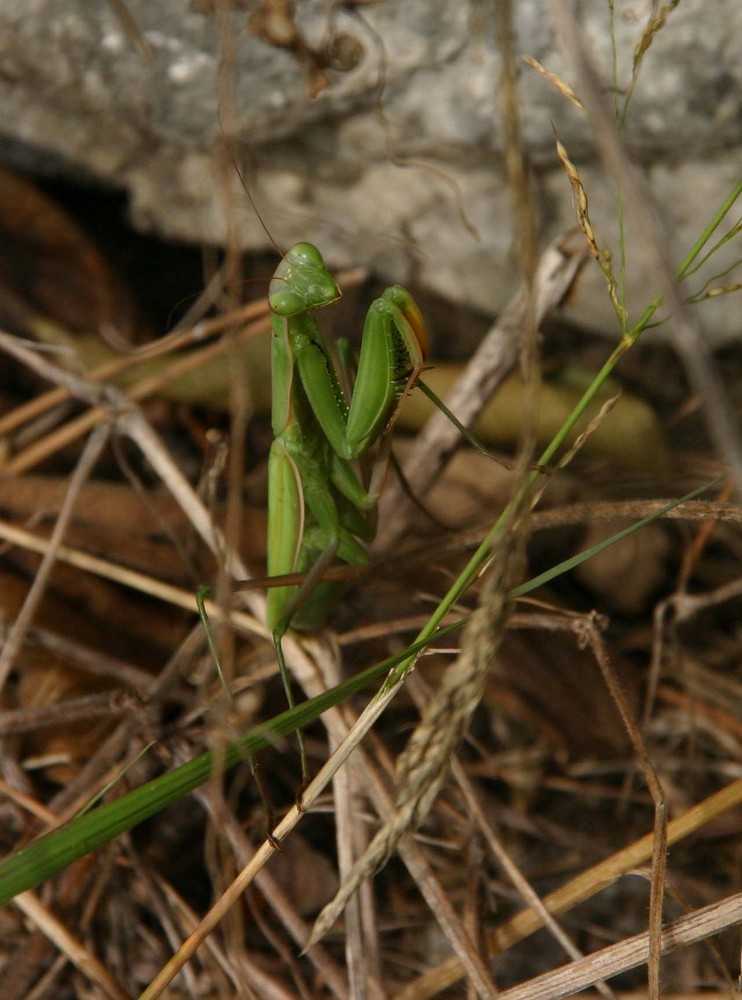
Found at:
(18, 631)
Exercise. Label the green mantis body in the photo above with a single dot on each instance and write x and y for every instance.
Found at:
(318, 509)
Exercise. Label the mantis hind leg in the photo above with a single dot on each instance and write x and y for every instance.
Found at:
(284, 624)
(308, 527)
(285, 534)
(312, 522)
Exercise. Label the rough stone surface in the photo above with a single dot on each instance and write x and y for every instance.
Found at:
(77, 96)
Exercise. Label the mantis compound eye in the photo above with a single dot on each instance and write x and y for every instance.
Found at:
(305, 254)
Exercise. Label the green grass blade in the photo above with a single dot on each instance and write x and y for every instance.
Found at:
(51, 853)
(568, 564)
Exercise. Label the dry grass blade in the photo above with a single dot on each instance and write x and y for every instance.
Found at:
(249, 873)
(413, 858)
(170, 379)
(276, 898)
(131, 27)
(361, 918)
(424, 763)
(22, 623)
(118, 366)
(29, 904)
(141, 582)
(521, 884)
(584, 436)
(580, 888)
(630, 953)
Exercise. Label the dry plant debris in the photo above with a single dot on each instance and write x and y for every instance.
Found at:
(537, 846)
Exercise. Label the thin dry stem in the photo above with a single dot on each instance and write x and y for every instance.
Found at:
(131, 421)
(590, 634)
(630, 953)
(687, 336)
(179, 339)
(141, 582)
(489, 366)
(106, 705)
(580, 888)
(174, 914)
(411, 855)
(570, 514)
(20, 627)
(517, 169)
(53, 929)
(527, 893)
(423, 764)
(608, 510)
(361, 919)
(391, 148)
(277, 899)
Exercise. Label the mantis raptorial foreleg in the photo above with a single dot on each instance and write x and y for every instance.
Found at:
(317, 506)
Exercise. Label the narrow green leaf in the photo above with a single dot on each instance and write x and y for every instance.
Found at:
(581, 557)
(51, 853)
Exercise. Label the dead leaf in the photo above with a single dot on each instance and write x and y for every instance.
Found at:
(50, 268)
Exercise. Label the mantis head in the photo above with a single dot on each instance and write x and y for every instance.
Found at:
(301, 281)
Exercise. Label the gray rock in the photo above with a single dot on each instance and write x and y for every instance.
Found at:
(77, 96)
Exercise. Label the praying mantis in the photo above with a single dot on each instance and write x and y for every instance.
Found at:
(318, 509)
